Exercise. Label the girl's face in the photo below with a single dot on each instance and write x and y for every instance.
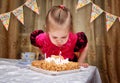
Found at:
(58, 37)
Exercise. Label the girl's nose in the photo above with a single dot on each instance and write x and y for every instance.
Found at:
(59, 41)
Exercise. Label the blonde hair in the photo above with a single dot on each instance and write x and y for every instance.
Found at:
(60, 15)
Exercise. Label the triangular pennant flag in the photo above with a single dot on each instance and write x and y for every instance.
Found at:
(5, 18)
(110, 19)
(82, 3)
(96, 11)
(32, 4)
(119, 19)
(19, 14)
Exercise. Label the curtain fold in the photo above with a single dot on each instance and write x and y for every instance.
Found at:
(104, 46)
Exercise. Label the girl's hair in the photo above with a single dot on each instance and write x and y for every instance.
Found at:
(60, 15)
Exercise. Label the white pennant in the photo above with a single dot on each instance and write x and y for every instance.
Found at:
(96, 11)
(110, 19)
(19, 14)
(32, 4)
(5, 18)
(82, 3)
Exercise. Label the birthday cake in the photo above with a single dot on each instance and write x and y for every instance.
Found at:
(55, 63)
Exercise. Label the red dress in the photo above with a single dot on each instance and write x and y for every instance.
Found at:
(75, 42)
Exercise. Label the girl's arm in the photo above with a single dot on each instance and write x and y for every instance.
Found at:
(83, 54)
(83, 57)
(82, 47)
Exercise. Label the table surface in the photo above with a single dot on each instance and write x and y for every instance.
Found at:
(12, 72)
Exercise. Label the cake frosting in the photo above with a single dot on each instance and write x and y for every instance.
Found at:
(57, 59)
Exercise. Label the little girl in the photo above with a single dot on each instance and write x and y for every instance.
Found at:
(59, 39)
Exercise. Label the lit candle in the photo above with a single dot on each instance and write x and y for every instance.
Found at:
(60, 55)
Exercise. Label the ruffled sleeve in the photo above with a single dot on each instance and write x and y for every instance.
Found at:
(33, 36)
(81, 41)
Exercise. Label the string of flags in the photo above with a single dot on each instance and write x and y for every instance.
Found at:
(32, 4)
(18, 13)
(97, 11)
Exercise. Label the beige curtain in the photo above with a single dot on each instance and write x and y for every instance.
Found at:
(104, 46)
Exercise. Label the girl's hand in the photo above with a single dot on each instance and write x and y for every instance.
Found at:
(84, 65)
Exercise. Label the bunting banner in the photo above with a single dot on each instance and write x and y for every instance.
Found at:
(82, 3)
(110, 19)
(5, 19)
(32, 4)
(96, 11)
(19, 14)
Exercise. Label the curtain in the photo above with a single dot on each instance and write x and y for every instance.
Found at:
(104, 46)
(107, 44)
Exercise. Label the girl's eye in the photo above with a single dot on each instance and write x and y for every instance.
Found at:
(54, 37)
(63, 37)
